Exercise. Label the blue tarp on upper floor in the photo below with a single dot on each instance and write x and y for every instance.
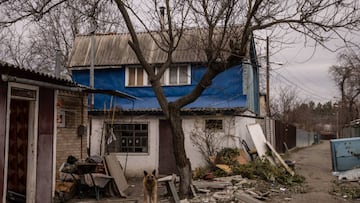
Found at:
(226, 90)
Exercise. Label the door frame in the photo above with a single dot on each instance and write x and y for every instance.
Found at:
(171, 167)
(32, 139)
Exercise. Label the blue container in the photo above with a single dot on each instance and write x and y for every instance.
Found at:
(345, 154)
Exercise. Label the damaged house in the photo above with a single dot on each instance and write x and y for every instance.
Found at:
(135, 131)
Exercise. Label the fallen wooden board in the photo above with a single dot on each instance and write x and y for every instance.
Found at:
(202, 184)
(246, 198)
(224, 167)
(116, 171)
(258, 138)
(170, 185)
(242, 158)
(288, 169)
(259, 141)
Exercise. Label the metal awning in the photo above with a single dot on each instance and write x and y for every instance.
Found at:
(111, 92)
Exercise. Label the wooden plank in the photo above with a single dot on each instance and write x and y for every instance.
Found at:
(258, 138)
(224, 167)
(288, 169)
(259, 141)
(173, 189)
(116, 171)
(242, 158)
(243, 197)
(170, 185)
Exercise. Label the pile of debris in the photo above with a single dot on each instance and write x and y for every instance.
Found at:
(90, 177)
(346, 166)
(233, 178)
(348, 184)
(239, 189)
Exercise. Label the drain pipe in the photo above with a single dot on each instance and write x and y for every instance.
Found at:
(91, 82)
(57, 63)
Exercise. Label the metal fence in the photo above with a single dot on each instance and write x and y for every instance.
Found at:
(305, 138)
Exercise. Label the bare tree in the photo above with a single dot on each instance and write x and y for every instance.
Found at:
(346, 75)
(208, 139)
(314, 19)
(283, 105)
(223, 46)
(55, 29)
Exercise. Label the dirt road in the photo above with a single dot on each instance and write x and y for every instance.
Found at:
(314, 163)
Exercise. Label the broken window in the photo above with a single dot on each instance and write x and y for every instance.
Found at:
(214, 124)
(127, 138)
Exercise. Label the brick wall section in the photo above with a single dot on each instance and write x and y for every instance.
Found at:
(68, 142)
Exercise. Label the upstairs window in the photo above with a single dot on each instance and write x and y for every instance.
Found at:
(179, 75)
(176, 75)
(136, 76)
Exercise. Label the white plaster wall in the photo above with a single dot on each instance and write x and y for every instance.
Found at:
(234, 130)
(133, 164)
(242, 132)
(96, 132)
(192, 152)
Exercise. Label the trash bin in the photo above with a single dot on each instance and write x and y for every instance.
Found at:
(316, 139)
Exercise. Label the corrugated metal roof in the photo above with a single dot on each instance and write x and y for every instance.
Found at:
(13, 70)
(184, 111)
(113, 49)
(33, 75)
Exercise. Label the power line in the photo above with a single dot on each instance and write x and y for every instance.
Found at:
(306, 91)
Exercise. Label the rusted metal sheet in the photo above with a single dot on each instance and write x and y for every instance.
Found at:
(113, 49)
(44, 177)
(345, 153)
(3, 98)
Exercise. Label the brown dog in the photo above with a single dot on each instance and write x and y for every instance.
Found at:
(150, 187)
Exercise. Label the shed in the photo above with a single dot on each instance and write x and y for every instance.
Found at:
(27, 133)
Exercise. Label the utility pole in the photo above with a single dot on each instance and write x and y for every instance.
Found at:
(91, 72)
(267, 78)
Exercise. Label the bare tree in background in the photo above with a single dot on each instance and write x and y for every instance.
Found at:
(283, 105)
(318, 21)
(346, 75)
(52, 28)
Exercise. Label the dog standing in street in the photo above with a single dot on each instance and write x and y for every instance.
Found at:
(150, 187)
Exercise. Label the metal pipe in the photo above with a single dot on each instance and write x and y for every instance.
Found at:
(162, 18)
(57, 63)
(267, 78)
(92, 55)
(92, 69)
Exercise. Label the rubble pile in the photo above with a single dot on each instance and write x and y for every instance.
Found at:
(228, 180)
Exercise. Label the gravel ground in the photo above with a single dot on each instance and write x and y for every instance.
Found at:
(314, 163)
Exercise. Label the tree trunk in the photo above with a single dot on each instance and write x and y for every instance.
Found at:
(182, 161)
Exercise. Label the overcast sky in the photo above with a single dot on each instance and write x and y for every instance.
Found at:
(306, 71)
